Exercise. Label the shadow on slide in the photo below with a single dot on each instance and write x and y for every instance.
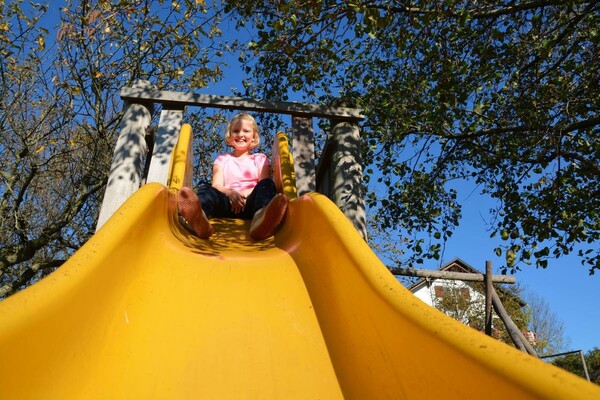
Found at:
(146, 311)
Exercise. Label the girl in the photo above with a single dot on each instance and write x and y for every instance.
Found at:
(241, 187)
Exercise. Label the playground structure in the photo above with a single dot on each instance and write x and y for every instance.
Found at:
(338, 175)
(145, 310)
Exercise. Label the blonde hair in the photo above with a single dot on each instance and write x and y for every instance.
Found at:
(237, 119)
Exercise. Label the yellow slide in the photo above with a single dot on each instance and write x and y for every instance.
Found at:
(146, 311)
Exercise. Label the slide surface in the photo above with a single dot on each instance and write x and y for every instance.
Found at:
(146, 311)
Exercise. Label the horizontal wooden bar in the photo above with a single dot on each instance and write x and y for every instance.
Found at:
(239, 103)
(460, 276)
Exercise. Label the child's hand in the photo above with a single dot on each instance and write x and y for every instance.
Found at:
(237, 200)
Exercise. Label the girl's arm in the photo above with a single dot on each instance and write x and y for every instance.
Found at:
(265, 172)
(218, 179)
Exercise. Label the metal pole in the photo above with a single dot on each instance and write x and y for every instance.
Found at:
(585, 370)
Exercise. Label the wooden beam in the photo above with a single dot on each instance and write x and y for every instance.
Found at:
(460, 276)
(513, 330)
(182, 99)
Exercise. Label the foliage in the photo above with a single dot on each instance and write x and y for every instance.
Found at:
(502, 94)
(60, 74)
(573, 363)
(465, 302)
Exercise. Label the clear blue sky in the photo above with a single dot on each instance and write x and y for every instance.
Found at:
(565, 284)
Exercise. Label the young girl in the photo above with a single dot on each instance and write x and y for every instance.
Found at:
(241, 187)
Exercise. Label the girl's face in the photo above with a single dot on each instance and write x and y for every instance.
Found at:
(241, 136)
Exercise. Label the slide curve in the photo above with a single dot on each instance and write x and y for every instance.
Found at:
(146, 311)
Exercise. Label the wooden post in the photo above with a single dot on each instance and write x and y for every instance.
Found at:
(513, 330)
(585, 370)
(126, 172)
(323, 176)
(303, 143)
(171, 119)
(488, 298)
(346, 170)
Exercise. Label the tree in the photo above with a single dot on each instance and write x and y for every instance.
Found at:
(503, 94)
(573, 363)
(461, 302)
(549, 329)
(465, 302)
(60, 111)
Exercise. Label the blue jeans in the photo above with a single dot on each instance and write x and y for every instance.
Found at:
(217, 205)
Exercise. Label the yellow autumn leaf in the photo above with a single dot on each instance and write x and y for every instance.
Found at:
(74, 90)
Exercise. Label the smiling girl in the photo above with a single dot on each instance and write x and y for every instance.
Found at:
(241, 187)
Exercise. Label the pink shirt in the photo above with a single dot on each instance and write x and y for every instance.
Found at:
(241, 173)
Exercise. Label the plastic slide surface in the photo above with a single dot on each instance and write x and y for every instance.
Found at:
(146, 311)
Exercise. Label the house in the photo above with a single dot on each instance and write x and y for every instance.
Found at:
(431, 289)
(463, 301)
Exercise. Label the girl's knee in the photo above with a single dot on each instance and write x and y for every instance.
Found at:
(266, 183)
(204, 187)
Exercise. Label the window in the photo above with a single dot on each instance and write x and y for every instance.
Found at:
(465, 293)
(439, 291)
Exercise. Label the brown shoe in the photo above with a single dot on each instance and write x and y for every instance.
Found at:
(267, 220)
(191, 215)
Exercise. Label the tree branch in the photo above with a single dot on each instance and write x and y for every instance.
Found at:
(17, 254)
(588, 123)
(26, 275)
(476, 14)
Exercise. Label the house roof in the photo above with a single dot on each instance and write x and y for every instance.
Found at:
(456, 265)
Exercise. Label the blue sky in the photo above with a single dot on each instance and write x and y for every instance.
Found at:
(565, 284)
